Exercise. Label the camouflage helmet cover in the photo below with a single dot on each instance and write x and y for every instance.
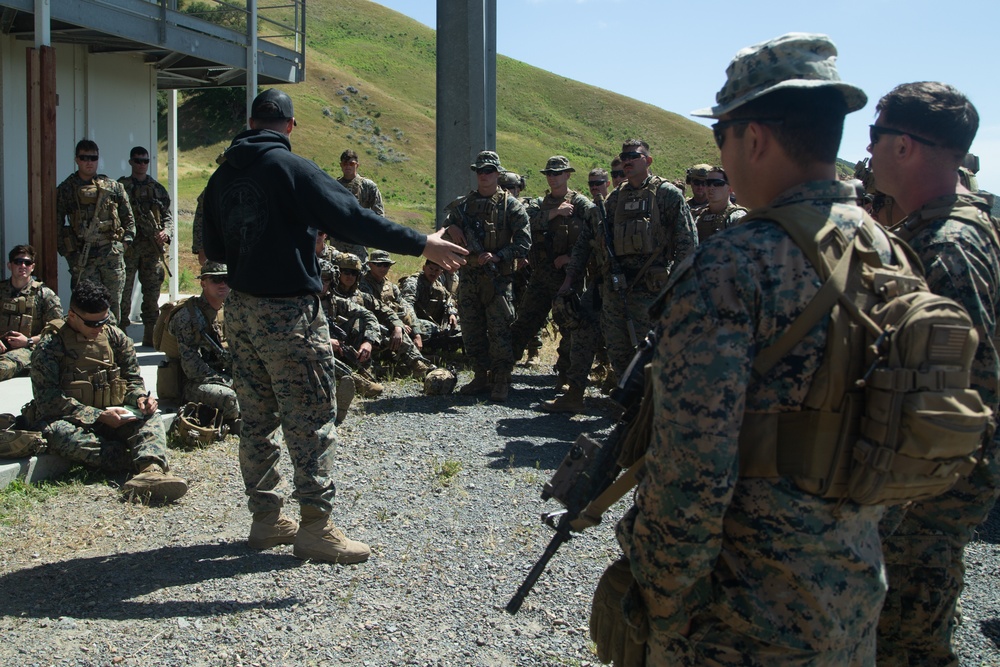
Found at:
(439, 382)
(348, 260)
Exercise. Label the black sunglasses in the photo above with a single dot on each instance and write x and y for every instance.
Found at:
(876, 131)
(218, 280)
(631, 155)
(88, 158)
(716, 182)
(93, 324)
(596, 184)
(486, 170)
(698, 182)
(380, 263)
(350, 272)
(141, 160)
(618, 174)
(22, 261)
(719, 129)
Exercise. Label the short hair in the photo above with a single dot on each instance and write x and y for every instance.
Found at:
(719, 168)
(276, 124)
(86, 145)
(21, 250)
(90, 297)
(598, 173)
(811, 122)
(137, 150)
(616, 162)
(348, 155)
(635, 144)
(932, 110)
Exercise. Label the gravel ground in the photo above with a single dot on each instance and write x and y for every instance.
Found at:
(446, 491)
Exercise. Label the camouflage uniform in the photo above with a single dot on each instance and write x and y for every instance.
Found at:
(652, 219)
(208, 373)
(389, 294)
(42, 306)
(431, 303)
(924, 543)
(709, 223)
(550, 239)
(485, 299)
(359, 323)
(151, 208)
(366, 192)
(71, 428)
(755, 565)
(75, 210)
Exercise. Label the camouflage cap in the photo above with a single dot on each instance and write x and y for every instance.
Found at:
(795, 60)
(487, 159)
(214, 269)
(380, 257)
(348, 260)
(557, 164)
(698, 171)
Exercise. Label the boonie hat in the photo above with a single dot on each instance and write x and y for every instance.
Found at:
(214, 269)
(380, 257)
(487, 159)
(272, 104)
(795, 60)
(557, 164)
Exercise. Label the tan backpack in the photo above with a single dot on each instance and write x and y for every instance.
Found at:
(16, 443)
(163, 340)
(889, 417)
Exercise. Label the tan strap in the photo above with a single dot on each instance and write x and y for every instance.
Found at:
(591, 514)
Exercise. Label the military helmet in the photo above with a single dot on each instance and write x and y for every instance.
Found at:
(348, 260)
(328, 272)
(510, 179)
(566, 311)
(197, 425)
(439, 382)
(699, 171)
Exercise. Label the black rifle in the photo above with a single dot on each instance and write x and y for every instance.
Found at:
(475, 244)
(223, 355)
(617, 273)
(348, 351)
(588, 470)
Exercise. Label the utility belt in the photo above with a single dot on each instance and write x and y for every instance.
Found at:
(100, 389)
(651, 280)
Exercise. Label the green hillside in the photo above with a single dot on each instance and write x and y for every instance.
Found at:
(370, 85)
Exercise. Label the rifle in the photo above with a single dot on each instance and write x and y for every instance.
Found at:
(588, 470)
(155, 214)
(223, 353)
(348, 351)
(88, 234)
(617, 273)
(475, 244)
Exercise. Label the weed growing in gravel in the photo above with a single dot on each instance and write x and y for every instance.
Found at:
(19, 497)
(448, 470)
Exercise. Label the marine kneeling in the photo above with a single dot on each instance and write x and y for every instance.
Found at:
(91, 403)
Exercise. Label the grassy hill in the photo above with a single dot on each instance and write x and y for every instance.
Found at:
(370, 85)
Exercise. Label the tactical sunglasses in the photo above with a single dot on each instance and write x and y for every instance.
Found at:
(596, 184)
(876, 131)
(698, 182)
(719, 129)
(716, 182)
(140, 160)
(631, 155)
(350, 272)
(88, 158)
(22, 261)
(93, 324)
(486, 170)
(618, 174)
(218, 280)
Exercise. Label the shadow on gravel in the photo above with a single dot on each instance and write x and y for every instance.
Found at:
(550, 437)
(991, 629)
(105, 586)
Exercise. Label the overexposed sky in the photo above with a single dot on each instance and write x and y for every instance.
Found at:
(674, 55)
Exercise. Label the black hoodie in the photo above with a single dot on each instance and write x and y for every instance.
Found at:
(263, 206)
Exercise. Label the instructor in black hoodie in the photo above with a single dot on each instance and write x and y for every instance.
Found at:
(263, 206)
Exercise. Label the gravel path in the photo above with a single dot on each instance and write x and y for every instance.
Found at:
(446, 491)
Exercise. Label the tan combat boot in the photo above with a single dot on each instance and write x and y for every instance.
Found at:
(346, 388)
(365, 387)
(501, 386)
(269, 529)
(318, 539)
(153, 485)
(571, 401)
(421, 368)
(480, 384)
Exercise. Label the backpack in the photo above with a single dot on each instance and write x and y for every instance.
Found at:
(163, 340)
(889, 417)
(16, 443)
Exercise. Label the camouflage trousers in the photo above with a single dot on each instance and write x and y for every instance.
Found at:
(106, 266)
(485, 307)
(713, 643)
(217, 396)
(533, 310)
(924, 547)
(283, 373)
(588, 340)
(13, 362)
(614, 323)
(519, 284)
(142, 257)
(110, 449)
(407, 354)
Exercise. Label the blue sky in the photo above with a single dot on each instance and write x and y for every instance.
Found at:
(674, 55)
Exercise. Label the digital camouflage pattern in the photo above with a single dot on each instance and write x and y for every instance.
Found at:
(389, 293)
(924, 545)
(747, 562)
(151, 208)
(71, 428)
(485, 297)
(709, 223)
(46, 308)
(431, 302)
(115, 231)
(365, 191)
(283, 365)
(407, 353)
(672, 236)
(208, 374)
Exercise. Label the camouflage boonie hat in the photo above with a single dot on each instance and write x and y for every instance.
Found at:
(796, 60)
(214, 269)
(487, 159)
(348, 260)
(698, 171)
(380, 257)
(557, 164)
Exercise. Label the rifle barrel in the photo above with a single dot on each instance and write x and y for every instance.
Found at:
(562, 536)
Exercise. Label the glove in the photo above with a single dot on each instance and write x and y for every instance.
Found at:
(619, 641)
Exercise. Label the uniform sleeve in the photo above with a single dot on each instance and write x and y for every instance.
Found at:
(64, 203)
(678, 224)
(163, 201)
(125, 216)
(520, 238)
(128, 365)
(377, 204)
(49, 307)
(580, 255)
(673, 535)
(408, 292)
(538, 220)
(184, 329)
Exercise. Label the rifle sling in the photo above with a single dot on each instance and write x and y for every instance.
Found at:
(595, 509)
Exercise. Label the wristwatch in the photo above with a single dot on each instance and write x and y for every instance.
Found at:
(31, 343)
